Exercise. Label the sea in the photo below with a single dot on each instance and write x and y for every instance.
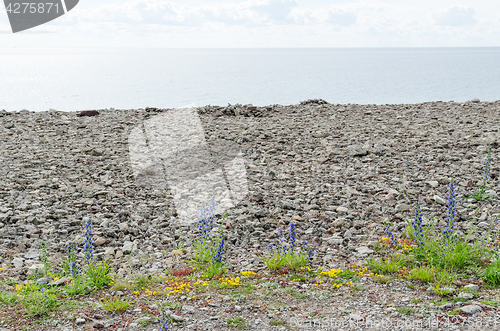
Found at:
(73, 79)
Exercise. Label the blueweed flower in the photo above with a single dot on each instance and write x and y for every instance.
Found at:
(163, 324)
(417, 226)
(89, 245)
(217, 257)
(310, 254)
(293, 236)
(206, 220)
(283, 245)
(72, 260)
(393, 238)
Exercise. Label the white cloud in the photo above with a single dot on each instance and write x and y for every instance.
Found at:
(455, 16)
(160, 12)
(272, 23)
(332, 15)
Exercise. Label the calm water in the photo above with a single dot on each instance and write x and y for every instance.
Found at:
(76, 79)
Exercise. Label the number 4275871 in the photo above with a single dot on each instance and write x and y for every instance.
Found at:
(27, 7)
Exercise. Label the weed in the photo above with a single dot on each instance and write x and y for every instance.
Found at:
(481, 194)
(237, 322)
(383, 279)
(490, 302)
(47, 266)
(8, 298)
(115, 304)
(404, 310)
(78, 286)
(288, 255)
(99, 273)
(358, 288)
(385, 265)
(120, 285)
(424, 274)
(277, 323)
(492, 274)
(38, 303)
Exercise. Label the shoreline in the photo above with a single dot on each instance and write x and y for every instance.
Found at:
(265, 107)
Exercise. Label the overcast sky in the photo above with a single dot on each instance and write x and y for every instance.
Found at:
(266, 23)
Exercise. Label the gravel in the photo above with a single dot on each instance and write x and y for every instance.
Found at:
(339, 171)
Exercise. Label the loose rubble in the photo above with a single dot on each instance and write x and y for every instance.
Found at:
(338, 171)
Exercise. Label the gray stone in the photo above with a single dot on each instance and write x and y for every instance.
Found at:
(35, 269)
(491, 193)
(433, 183)
(364, 250)
(338, 223)
(466, 295)
(357, 150)
(109, 251)
(123, 226)
(471, 309)
(177, 318)
(188, 309)
(472, 287)
(128, 246)
(342, 209)
(43, 281)
(402, 207)
(99, 241)
(483, 225)
(80, 321)
(439, 200)
(17, 262)
(32, 255)
(61, 280)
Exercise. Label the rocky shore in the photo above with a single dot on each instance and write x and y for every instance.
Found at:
(340, 172)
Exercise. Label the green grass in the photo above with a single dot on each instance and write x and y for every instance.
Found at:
(386, 265)
(39, 303)
(115, 304)
(424, 274)
(492, 274)
(276, 323)
(8, 298)
(98, 274)
(404, 310)
(77, 286)
(355, 289)
(382, 279)
(237, 322)
(493, 303)
(347, 274)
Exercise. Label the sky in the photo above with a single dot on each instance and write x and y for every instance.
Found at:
(266, 23)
